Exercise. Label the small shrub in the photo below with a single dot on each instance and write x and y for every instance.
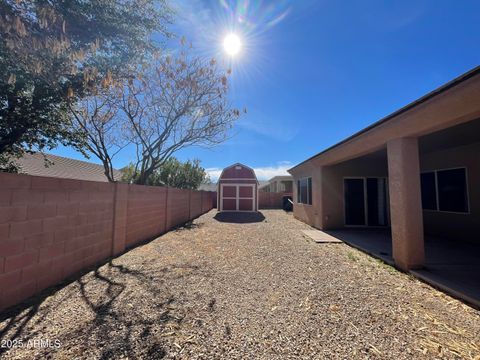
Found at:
(351, 256)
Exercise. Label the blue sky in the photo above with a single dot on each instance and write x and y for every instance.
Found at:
(311, 73)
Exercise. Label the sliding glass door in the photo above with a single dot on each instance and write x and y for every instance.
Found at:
(366, 201)
(354, 202)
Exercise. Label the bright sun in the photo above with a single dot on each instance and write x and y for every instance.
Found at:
(232, 44)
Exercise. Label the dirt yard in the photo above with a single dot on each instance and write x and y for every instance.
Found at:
(252, 287)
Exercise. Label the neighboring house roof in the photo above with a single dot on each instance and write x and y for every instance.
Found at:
(208, 187)
(262, 183)
(62, 167)
(281, 178)
(402, 110)
(276, 178)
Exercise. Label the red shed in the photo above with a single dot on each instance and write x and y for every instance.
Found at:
(237, 189)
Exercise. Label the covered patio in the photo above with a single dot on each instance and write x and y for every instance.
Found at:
(414, 202)
(414, 174)
(453, 269)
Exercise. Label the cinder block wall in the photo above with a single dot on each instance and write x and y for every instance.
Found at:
(271, 200)
(178, 207)
(207, 202)
(146, 212)
(51, 228)
(196, 203)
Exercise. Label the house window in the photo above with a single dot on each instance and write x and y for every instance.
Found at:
(452, 190)
(304, 191)
(445, 190)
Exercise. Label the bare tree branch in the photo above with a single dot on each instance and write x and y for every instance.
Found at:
(170, 103)
(175, 103)
(97, 117)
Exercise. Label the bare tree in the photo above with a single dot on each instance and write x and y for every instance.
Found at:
(99, 118)
(176, 102)
(169, 104)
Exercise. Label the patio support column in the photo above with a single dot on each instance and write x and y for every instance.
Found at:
(405, 203)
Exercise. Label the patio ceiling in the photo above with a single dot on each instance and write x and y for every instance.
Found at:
(459, 135)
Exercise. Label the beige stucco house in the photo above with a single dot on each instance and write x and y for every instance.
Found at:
(278, 184)
(416, 172)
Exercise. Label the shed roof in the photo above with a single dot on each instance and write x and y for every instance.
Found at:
(231, 172)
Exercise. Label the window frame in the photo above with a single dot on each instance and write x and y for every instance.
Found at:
(309, 181)
(467, 191)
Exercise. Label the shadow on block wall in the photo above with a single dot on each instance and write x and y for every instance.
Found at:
(106, 305)
(52, 228)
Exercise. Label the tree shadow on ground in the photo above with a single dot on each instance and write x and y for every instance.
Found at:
(127, 305)
(16, 319)
(189, 225)
(240, 217)
(114, 311)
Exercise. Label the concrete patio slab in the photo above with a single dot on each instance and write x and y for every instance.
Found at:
(451, 266)
(321, 237)
(375, 242)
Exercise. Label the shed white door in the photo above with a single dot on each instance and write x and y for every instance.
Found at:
(237, 197)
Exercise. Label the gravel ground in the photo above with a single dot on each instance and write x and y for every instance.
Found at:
(253, 288)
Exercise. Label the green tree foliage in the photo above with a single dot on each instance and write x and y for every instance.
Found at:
(54, 52)
(187, 175)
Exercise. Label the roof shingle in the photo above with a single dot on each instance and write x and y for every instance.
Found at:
(62, 167)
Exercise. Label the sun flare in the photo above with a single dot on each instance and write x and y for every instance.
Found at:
(232, 44)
